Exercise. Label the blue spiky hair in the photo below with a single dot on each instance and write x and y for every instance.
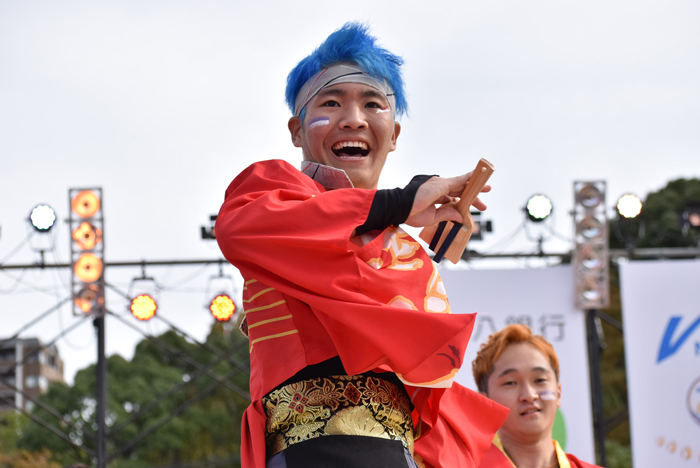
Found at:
(350, 44)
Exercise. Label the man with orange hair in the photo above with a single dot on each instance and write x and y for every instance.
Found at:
(520, 371)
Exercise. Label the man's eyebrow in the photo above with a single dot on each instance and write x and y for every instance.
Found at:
(373, 93)
(540, 369)
(332, 92)
(507, 371)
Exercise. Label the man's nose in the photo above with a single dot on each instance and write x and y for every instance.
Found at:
(528, 393)
(353, 118)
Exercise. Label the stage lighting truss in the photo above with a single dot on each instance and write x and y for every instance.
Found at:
(87, 251)
(629, 206)
(221, 305)
(538, 208)
(591, 251)
(143, 292)
(42, 218)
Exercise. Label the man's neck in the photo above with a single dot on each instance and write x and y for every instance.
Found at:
(536, 453)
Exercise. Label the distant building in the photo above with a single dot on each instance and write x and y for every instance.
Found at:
(29, 367)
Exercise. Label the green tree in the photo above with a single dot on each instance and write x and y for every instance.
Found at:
(208, 429)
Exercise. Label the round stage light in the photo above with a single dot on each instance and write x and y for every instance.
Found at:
(591, 290)
(43, 217)
(590, 257)
(590, 228)
(222, 307)
(143, 307)
(629, 206)
(589, 196)
(85, 204)
(89, 298)
(88, 268)
(87, 236)
(538, 208)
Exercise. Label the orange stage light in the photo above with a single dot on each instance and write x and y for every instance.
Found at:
(85, 204)
(88, 268)
(87, 236)
(89, 298)
(143, 307)
(222, 307)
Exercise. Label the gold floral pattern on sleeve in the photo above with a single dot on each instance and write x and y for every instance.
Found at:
(338, 405)
(435, 295)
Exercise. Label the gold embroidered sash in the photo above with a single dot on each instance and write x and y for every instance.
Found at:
(337, 405)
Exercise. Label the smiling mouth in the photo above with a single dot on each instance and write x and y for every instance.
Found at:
(350, 149)
(529, 411)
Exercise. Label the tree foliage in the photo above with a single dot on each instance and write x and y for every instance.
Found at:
(209, 429)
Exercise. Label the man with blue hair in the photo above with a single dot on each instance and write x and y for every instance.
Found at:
(352, 346)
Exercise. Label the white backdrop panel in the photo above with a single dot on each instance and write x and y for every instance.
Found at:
(661, 312)
(542, 299)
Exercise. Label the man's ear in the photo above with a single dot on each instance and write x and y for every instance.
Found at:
(558, 394)
(294, 126)
(395, 136)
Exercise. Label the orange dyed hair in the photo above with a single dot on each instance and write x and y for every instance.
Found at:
(488, 354)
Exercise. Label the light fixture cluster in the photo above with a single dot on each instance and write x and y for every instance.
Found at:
(591, 249)
(87, 251)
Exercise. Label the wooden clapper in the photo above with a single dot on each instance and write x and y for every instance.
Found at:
(449, 239)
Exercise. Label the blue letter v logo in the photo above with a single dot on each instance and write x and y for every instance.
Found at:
(668, 347)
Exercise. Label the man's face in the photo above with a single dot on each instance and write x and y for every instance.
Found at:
(523, 381)
(348, 126)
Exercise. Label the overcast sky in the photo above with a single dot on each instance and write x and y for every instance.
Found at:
(162, 103)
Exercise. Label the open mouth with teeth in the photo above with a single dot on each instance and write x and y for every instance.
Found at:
(349, 149)
(530, 411)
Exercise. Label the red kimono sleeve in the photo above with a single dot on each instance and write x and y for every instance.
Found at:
(465, 427)
(282, 228)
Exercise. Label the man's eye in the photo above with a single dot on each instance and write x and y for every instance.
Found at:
(330, 103)
(373, 105)
(508, 384)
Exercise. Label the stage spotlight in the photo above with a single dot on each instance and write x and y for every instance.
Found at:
(538, 208)
(87, 236)
(85, 204)
(589, 196)
(43, 217)
(143, 307)
(629, 206)
(88, 268)
(222, 307)
(89, 298)
(590, 257)
(591, 289)
(590, 228)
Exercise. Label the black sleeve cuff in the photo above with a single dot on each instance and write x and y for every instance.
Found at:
(391, 207)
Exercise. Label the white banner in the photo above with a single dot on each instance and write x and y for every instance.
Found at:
(661, 311)
(543, 299)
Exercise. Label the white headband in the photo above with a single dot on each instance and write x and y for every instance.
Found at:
(343, 73)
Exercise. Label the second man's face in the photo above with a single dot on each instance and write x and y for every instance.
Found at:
(523, 381)
(348, 126)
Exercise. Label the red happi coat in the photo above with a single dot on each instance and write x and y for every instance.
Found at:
(312, 294)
